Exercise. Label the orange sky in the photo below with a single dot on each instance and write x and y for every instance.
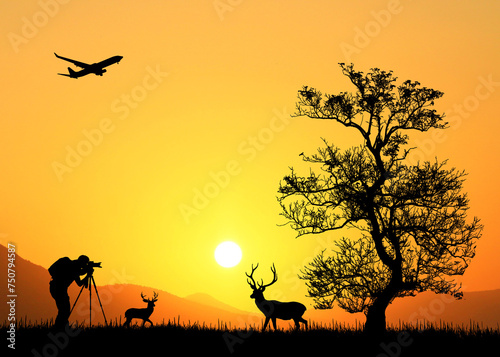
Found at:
(201, 103)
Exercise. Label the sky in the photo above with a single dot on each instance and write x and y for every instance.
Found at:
(182, 145)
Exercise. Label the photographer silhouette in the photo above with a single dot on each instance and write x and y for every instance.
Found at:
(63, 272)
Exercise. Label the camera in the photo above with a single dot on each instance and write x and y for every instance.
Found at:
(90, 267)
(94, 264)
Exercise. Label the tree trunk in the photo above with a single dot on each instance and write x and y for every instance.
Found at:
(375, 317)
(375, 320)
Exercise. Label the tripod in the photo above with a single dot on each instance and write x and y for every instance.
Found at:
(91, 281)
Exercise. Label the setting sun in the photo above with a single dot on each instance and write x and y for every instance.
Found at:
(228, 254)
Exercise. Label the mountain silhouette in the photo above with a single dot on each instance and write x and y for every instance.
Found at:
(35, 304)
(479, 307)
(32, 288)
(208, 300)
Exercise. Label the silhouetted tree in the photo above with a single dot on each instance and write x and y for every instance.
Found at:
(411, 219)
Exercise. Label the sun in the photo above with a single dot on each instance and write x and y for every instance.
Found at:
(228, 254)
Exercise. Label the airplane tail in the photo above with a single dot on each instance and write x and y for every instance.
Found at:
(70, 75)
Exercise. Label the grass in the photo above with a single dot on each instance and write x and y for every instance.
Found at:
(194, 339)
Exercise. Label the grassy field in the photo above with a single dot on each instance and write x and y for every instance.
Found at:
(172, 339)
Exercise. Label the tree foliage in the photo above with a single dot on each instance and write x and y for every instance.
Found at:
(411, 218)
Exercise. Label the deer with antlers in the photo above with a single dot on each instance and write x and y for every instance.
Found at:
(273, 309)
(141, 313)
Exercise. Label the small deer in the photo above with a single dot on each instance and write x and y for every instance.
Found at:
(141, 313)
(273, 309)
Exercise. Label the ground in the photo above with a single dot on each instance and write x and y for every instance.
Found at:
(196, 340)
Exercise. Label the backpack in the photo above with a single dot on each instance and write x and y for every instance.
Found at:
(60, 268)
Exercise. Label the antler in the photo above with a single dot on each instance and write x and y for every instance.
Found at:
(275, 278)
(252, 283)
(155, 297)
(261, 286)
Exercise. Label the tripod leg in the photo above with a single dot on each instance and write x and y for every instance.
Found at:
(90, 303)
(99, 299)
(76, 300)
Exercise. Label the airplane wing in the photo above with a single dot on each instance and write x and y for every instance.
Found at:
(76, 63)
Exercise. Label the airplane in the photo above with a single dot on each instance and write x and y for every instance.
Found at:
(96, 68)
